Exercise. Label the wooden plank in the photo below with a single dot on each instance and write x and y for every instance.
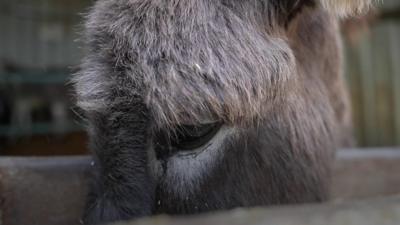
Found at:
(43, 191)
(372, 212)
(369, 95)
(395, 65)
(354, 79)
(47, 191)
(362, 174)
(383, 88)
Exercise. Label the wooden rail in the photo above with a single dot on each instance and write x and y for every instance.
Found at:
(384, 211)
(48, 191)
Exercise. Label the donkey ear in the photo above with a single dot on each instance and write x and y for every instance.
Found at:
(346, 7)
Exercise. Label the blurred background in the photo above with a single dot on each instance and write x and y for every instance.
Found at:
(39, 52)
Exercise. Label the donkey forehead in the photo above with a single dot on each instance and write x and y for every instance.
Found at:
(224, 69)
(229, 82)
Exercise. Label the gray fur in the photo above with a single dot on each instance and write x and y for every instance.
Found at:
(269, 70)
(186, 68)
(347, 7)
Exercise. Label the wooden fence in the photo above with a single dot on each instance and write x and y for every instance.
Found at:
(373, 72)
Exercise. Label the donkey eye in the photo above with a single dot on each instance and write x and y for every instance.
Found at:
(189, 137)
(184, 138)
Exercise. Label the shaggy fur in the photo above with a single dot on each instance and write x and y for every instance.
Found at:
(346, 7)
(192, 65)
(269, 70)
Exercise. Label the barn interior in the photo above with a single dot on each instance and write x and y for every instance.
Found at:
(43, 146)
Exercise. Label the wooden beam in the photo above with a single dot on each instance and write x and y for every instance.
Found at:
(48, 191)
(385, 211)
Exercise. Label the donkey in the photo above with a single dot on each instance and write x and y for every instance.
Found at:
(201, 105)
